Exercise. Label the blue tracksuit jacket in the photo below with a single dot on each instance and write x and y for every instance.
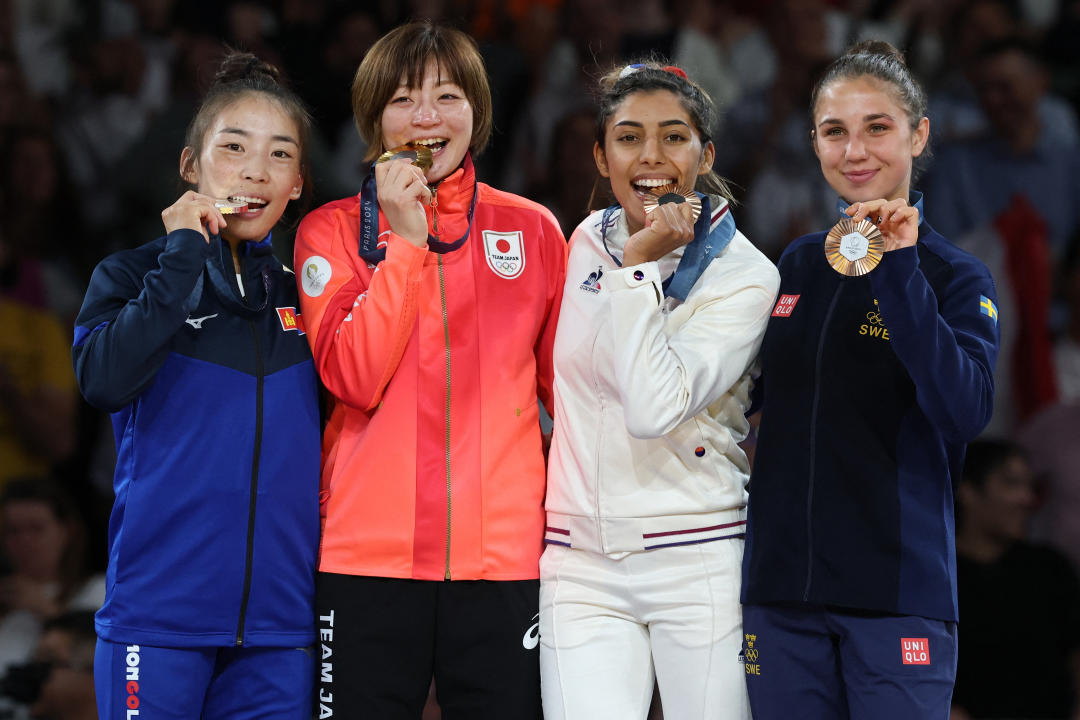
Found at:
(214, 402)
(872, 387)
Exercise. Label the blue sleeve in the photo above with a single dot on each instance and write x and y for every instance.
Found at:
(128, 317)
(949, 353)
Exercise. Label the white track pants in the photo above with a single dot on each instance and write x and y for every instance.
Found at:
(606, 625)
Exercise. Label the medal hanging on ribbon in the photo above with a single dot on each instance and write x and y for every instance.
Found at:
(854, 248)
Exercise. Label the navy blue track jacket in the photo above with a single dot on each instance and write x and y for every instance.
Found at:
(214, 402)
(872, 386)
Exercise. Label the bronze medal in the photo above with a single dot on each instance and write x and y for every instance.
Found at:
(670, 193)
(854, 248)
(419, 155)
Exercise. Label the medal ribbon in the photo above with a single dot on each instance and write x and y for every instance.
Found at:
(369, 218)
(697, 254)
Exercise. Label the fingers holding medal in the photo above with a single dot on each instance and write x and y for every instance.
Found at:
(897, 221)
(669, 224)
(855, 245)
(403, 192)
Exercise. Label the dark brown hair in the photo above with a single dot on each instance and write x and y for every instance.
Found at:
(654, 74)
(405, 52)
(239, 75)
(881, 61)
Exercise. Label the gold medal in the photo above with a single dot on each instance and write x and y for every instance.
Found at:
(419, 155)
(670, 193)
(228, 207)
(854, 248)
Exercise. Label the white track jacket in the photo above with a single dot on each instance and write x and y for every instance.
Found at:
(650, 393)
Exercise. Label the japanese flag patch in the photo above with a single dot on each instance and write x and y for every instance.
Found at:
(505, 253)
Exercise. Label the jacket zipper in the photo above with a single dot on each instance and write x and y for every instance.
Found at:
(434, 211)
(446, 340)
(259, 371)
(813, 444)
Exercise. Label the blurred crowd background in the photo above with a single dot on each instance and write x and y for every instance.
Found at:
(95, 96)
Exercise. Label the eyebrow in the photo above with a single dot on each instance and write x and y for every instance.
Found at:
(245, 133)
(663, 123)
(866, 118)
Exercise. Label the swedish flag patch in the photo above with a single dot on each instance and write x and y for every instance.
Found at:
(988, 308)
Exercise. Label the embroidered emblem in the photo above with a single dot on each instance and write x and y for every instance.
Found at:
(505, 253)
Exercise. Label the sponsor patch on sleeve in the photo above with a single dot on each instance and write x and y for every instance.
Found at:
(785, 305)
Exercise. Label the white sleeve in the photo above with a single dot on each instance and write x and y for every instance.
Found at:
(664, 381)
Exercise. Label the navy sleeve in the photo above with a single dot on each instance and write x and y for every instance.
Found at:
(129, 315)
(949, 354)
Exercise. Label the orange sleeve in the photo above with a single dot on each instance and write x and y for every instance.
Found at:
(554, 252)
(358, 319)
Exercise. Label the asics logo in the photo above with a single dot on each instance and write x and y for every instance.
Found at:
(532, 636)
(197, 322)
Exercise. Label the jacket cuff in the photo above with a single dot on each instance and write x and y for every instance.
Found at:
(635, 276)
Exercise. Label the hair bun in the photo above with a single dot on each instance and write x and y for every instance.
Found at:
(241, 66)
(876, 47)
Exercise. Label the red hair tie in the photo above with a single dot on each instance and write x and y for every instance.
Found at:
(675, 71)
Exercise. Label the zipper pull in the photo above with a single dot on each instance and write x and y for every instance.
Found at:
(434, 211)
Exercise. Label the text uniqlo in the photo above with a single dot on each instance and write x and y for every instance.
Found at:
(915, 651)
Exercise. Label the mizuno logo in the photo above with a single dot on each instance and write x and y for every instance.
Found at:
(197, 322)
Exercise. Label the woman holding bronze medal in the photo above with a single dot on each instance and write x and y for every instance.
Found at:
(430, 302)
(662, 315)
(877, 369)
(193, 343)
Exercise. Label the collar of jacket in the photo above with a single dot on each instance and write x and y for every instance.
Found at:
(455, 203)
(256, 261)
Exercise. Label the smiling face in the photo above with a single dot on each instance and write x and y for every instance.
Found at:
(250, 153)
(437, 114)
(864, 140)
(650, 142)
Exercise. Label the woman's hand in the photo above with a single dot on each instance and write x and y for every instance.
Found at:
(194, 212)
(403, 193)
(897, 221)
(669, 227)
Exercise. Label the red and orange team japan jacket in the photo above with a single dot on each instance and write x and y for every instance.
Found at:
(432, 460)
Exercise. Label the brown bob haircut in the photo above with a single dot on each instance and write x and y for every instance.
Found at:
(404, 52)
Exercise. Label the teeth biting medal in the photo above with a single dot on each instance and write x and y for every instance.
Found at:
(229, 207)
(419, 155)
(670, 193)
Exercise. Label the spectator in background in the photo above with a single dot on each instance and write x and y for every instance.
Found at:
(43, 544)
(66, 648)
(37, 390)
(40, 225)
(766, 151)
(571, 175)
(1050, 436)
(1020, 603)
(1067, 344)
(1008, 196)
